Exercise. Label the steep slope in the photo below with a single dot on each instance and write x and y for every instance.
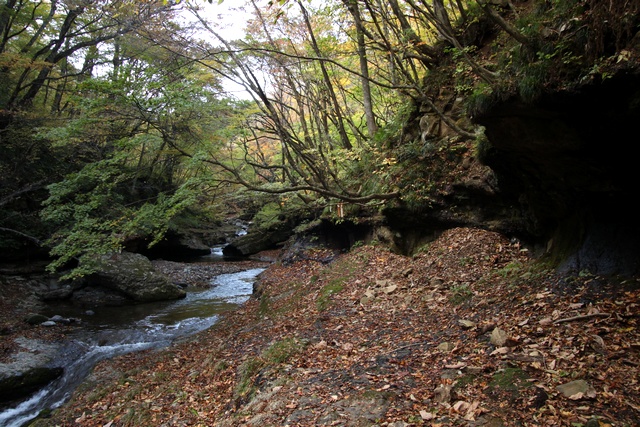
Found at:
(552, 162)
(470, 332)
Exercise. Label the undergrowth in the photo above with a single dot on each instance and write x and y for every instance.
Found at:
(276, 354)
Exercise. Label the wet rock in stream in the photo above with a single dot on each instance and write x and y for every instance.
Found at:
(28, 370)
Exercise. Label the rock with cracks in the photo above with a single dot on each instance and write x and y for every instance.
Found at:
(133, 276)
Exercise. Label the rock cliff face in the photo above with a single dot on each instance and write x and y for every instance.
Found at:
(567, 164)
(557, 173)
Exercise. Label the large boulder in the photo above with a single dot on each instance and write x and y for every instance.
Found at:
(133, 276)
(258, 240)
(29, 369)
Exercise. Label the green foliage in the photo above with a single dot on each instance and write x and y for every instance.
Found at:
(531, 83)
(391, 132)
(334, 286)
(462, 73)
(482, 145)
(276, 354)
(94, 213)
(566, 43)
(270, 215)
(480, 99)
(460, 294)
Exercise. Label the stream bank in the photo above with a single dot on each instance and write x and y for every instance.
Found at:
(69, 346)
(472, 331)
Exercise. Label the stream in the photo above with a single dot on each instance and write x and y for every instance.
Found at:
(114, 331)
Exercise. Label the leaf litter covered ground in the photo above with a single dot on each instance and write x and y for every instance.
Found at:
(470, 332)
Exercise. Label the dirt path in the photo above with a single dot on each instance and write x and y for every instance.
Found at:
(470, 332)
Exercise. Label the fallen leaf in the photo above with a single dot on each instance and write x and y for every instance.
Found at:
(456, 366)
(501, 350)
(468, 324)
(390, 289)
(576, 390)
(460, 406)
(426, 416)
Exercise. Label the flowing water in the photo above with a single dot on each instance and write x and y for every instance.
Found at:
(113, 331)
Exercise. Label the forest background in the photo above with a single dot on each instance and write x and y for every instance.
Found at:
(116, 125)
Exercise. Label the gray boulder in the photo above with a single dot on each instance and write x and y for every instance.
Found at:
(133, 276)
(258, 240)
(28, 370)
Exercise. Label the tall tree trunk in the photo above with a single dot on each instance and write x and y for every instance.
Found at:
(339, 121)
(372, 126)
(5, 17)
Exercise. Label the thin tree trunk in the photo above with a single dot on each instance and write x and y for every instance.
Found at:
(372, 127)
(510, 29)
(427, 53)
(327, 80)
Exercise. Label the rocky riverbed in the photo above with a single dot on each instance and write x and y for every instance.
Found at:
(470, 332)
(30, 340)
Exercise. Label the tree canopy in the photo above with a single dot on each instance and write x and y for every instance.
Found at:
(115, 119)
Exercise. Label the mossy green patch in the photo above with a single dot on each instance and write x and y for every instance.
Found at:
(244, 387)
(281, 351)
(277, 353)
(334, 286)
(460, 294)
(510, 379)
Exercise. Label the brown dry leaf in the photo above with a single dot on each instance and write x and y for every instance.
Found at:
(461, 406)
(426, 416)
(458, 365)
(501, 350)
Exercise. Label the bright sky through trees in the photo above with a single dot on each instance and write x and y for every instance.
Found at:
(229, 18)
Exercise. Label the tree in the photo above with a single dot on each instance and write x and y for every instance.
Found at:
(46, 50)
(305, 107)
(354, 10)
(141, 130)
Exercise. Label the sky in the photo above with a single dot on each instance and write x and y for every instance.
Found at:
(228, 17)
(229, 20)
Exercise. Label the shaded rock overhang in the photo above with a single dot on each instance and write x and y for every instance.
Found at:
(569, 161)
